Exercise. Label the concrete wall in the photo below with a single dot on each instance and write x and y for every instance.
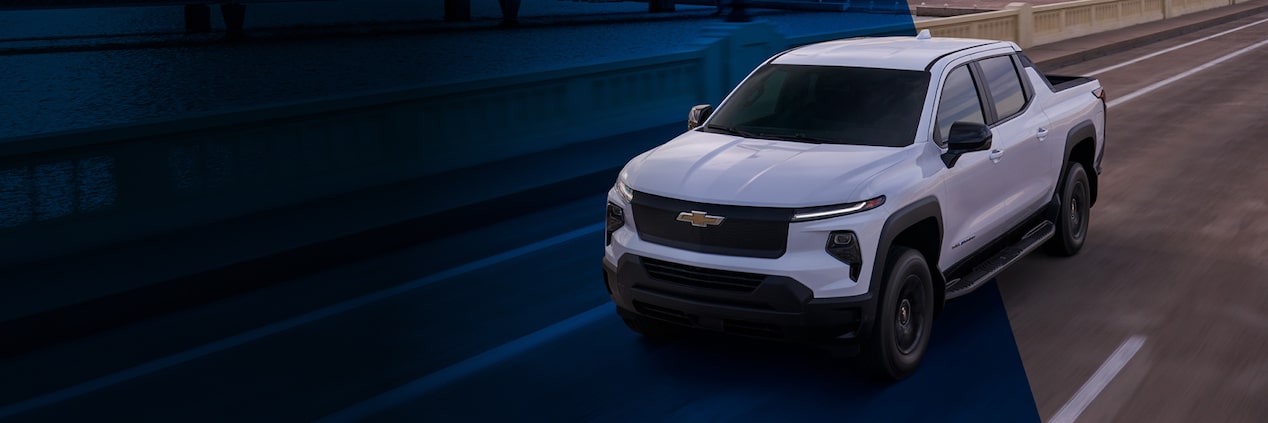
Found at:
(66, 192)
(1029, 26)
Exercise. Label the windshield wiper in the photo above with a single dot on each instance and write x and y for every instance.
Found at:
(801, 137)
(731, 131)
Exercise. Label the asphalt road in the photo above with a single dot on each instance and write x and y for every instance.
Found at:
(1178, 246)
(510, 320)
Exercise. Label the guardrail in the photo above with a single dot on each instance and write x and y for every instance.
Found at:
(1029, 26)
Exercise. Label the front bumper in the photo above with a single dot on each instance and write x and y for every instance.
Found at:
(758, 306)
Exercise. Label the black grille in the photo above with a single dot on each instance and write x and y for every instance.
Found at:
(701, 277)
(746, 231)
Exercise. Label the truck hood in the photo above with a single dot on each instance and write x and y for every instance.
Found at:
(724, 169)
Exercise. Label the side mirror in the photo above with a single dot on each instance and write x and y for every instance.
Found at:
(966, 137)
(698, 115)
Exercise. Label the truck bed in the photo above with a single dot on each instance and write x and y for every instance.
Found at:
(1059, 83)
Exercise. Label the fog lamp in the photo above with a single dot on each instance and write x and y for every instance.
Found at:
(844, 246)
(615, 220)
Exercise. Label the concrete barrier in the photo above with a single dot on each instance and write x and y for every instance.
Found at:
(66, 192)
(1029, 26)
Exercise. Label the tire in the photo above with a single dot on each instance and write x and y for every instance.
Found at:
(653, 330)
(904, 317)
(1073, 217)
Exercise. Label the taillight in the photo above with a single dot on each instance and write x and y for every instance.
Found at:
(1099, 93)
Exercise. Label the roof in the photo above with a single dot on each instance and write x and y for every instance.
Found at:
(883, 52)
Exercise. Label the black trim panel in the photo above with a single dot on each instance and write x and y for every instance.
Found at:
(897, 222)
(1079, 132)
(779, 308)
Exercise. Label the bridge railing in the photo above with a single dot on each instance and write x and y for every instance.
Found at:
(1029, 26)
(71, 191)
(71, 4)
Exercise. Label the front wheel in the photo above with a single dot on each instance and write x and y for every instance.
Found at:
(1073, 215)
(904, 319)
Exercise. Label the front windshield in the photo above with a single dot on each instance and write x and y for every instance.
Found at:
(825, 104)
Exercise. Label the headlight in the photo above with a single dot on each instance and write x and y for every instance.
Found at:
(825, 212)
(624, 190)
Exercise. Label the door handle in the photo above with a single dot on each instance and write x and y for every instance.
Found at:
(996, 155)
(1043, 133)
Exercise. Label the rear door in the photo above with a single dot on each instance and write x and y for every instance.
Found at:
(1021, 137)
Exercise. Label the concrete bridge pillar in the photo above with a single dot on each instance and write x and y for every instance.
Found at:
(510, 12)
(1025, 23)
(197, 18)
(457, 10)
(234, 14)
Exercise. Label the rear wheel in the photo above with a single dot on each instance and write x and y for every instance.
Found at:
(1073, 215)
(904, 319)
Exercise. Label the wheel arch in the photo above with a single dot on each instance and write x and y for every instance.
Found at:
(919, 226)
(1080, 147)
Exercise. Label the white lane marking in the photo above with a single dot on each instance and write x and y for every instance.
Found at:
(1186, 74)
(1099, 380)
(438, 379)
(1168, 50)
(272, 329)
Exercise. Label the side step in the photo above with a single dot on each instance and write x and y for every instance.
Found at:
(1006, 257)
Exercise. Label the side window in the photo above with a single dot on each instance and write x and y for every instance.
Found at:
(959, 102)
(1004, 84)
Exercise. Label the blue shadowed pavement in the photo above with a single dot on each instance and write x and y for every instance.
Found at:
(603, 372)
(597, 371)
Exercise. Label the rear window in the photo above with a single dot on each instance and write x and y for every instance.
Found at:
(826, 104)
(1005, 85)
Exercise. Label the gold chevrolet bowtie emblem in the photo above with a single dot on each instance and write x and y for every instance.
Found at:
(700, 219)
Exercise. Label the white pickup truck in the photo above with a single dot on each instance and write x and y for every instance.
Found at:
(846, 189)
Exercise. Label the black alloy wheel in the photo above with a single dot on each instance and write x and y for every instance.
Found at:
(1073, 218)
(905, 317)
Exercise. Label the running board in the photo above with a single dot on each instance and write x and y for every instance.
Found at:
(984, 272)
